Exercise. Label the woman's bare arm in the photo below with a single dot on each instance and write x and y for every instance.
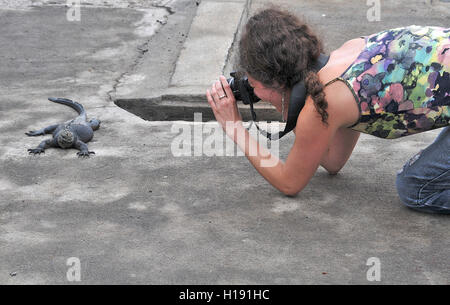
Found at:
(344, 140)
(311, 142)
(340, 150)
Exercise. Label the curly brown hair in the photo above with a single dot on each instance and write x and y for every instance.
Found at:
(278, 49)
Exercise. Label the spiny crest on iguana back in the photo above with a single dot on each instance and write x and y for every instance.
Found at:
(71, 134)
(65, 138)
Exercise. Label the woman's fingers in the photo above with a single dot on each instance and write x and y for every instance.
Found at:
(214, 93)
(226, 86)
(220, 90)
(217, 92)
(211, 101)
(222, 102)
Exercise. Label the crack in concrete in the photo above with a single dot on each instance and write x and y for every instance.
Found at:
(233, 46)
(165, 6)
(142, 49)
(121, 4)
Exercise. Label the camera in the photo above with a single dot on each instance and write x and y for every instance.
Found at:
(241, 88)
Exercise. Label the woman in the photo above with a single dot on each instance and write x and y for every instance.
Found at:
(389, 84)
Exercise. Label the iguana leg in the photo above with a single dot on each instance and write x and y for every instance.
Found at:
(43, 146)
(84, 152)
(43, 131)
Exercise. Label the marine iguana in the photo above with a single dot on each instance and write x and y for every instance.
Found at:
(71, 134)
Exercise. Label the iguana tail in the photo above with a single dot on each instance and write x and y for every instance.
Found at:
(77, 106)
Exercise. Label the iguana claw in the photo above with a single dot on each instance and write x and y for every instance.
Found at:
(36, 151)
(85, 153)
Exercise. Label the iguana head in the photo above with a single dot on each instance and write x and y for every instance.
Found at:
(65, 138)
(95, 124)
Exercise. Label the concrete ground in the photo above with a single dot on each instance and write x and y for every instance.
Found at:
(134, 213)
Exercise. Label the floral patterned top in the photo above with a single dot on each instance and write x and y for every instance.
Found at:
(401, 81)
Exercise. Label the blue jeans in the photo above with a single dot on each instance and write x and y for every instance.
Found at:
(424, 182)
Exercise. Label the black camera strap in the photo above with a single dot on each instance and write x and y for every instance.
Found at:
(296, 103)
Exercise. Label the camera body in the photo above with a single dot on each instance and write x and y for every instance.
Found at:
(242, 90)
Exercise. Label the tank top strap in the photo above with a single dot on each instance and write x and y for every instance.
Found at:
(332, 81)
(355, 96)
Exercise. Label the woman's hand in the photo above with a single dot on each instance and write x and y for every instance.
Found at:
(223, 104)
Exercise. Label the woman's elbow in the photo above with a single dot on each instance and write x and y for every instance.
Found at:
(332, 170)
(291, 191)
(291, 194)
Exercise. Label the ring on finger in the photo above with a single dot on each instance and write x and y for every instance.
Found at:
(220, 89)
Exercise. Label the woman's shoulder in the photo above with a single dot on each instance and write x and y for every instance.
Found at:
(341, 58)
(338, 95)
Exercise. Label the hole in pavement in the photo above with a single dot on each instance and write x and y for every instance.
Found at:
(184, 111)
